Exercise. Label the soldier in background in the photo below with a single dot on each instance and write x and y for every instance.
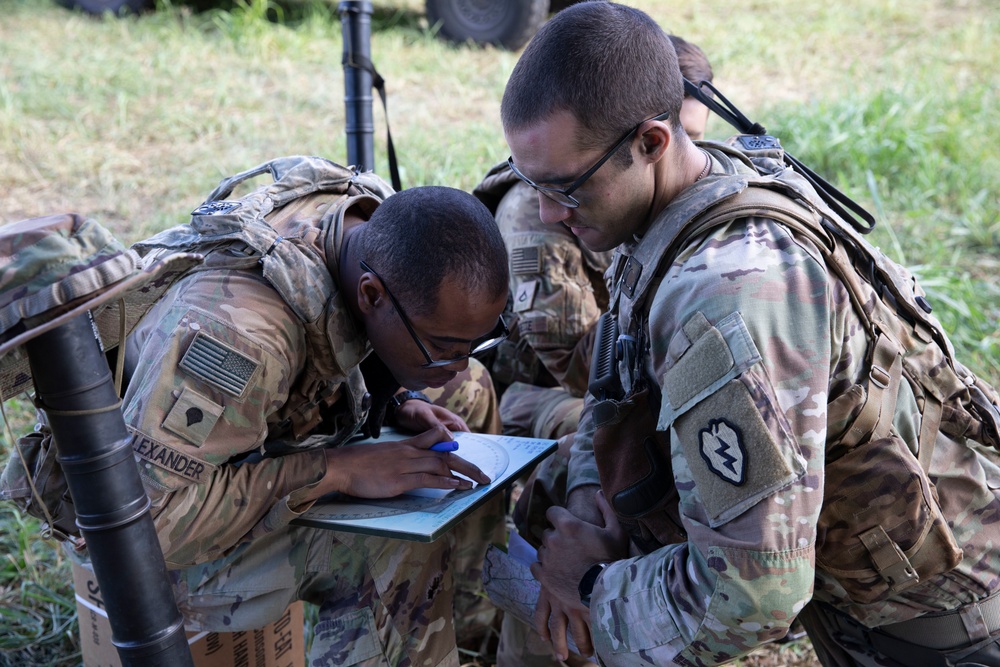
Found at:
(753, 455)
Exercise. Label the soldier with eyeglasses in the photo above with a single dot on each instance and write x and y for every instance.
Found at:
(774, 433)
(224, 372)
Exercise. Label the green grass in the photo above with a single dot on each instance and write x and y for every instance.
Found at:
(916, 156)
(133, 121)
(38, 625)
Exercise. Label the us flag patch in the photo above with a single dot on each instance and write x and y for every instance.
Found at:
(219, 365)
(525, 261)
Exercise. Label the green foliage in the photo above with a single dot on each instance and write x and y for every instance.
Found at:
(38, 625)
(927, 149)
(923, 158)
(969, 309)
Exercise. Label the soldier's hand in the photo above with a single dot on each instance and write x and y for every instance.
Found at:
(386, 469)
(569, 548)
(582, 503)
(555, 624)
(421, 416)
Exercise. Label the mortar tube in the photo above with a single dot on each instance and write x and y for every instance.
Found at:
(75, 389)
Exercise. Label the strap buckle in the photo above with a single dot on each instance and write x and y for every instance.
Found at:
(889, 559)
(879, 376)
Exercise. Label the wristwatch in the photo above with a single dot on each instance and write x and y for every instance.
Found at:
(408, 395)
(586, 585)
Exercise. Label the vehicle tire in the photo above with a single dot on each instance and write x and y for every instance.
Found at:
(506, 23)
(559, 5)
(98, 7)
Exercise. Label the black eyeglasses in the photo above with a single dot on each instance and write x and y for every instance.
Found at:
(563, 196)
(494, 338)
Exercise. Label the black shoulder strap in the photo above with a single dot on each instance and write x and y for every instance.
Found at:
(361, 61)
(834, 198)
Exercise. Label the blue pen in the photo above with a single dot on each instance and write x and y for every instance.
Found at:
(447, 446)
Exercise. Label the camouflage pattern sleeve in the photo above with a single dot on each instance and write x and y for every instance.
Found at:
(741, 347)
(557, 288)
(210, 363)
(582, 465)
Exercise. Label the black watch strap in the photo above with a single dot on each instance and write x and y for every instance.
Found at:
(586, 585)
(409, 395)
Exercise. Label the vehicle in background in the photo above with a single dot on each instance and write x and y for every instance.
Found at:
(505, 23)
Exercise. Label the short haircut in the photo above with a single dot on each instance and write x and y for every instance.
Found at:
(609, 65)
(692, 61)
(418, 237)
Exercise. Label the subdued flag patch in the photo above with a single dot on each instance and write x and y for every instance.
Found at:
(526, 260)
(219, 365)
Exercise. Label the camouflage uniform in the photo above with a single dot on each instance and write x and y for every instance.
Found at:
(558, 293)
(221, 370)
(751, 341)
(472, 396)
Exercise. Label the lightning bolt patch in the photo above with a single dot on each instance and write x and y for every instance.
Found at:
(723, 451)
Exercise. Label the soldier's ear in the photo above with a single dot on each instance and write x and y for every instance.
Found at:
(371, 293)
(654, 138)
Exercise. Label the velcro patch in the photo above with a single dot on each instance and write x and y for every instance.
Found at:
(525, 297)
(735, 457)
(219, 365)
(525, 260)
(537, 324)
(156, 453)
(630, 276)
(707, 357)
(193, 416)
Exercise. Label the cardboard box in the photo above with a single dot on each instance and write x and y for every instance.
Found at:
(280, 644)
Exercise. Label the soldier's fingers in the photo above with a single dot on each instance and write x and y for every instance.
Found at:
(580, 628)
(556, 514)
(430, 481)
(563, 521)
(431, 464)
(451, 420)
(558, 627)
(456, 423)
(611, 523)
(549, 535)
(432, 436)
(606, 510)
(542, 612)
(460, 465)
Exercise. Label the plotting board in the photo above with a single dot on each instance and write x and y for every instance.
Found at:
(426, 514)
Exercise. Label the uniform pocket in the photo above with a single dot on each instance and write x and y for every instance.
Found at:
(348, 639)
(881, 529)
